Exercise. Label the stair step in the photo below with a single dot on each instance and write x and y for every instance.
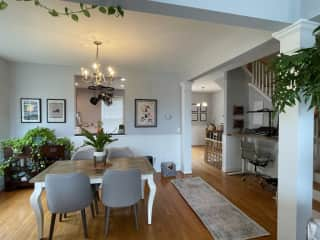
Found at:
(316, 205)
(316, 177)
(316, 186)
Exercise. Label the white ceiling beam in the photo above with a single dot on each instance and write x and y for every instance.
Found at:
(269, 15)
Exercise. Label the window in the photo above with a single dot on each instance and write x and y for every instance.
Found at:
(112, 116)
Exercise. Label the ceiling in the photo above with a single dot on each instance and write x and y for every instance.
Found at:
(209, 83)
(139, 40)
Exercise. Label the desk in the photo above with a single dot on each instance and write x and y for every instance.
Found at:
(269, 140)
(95, 175)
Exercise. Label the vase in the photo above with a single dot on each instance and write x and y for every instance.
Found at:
(98, 156)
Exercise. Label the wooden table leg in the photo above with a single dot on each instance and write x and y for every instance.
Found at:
(35, 201)
(143, 183)
(153, 188)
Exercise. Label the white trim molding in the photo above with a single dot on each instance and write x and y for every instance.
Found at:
(296, 36)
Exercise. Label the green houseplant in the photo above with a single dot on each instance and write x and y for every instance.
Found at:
(297, 77)
(98, 141)
(33, 140)
(83, 9)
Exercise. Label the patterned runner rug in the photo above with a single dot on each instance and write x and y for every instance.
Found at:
(223, 219)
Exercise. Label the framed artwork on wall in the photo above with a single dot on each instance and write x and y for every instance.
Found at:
(56, 110)
(203, 108)
(194, 108)
(145, 113)
(194, 116)
(203, 117)
(30, 109)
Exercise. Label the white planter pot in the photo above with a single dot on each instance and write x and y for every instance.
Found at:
(99, 154)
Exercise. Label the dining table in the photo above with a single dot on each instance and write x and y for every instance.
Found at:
(95, 175)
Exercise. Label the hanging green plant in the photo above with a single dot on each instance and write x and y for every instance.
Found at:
(84, 9)
(297, 77)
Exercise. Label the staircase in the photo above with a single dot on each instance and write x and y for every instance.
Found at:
(262, 80)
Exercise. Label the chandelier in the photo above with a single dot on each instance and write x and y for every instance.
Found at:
(99, 80)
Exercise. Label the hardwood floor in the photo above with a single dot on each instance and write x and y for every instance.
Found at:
(172, 217)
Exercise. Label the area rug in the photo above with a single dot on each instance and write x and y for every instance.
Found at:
(223, 219)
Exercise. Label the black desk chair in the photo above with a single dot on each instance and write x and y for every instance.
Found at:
(249, 154)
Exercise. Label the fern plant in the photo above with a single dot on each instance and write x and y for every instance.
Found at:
(98, 140)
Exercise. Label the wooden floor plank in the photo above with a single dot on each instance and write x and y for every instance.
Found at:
(172, 217)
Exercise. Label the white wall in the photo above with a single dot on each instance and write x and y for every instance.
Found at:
(4, 106)
(198, 127)
(217, 107)
(49, 81)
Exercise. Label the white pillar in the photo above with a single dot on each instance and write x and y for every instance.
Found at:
(186, 128)
(295, 167)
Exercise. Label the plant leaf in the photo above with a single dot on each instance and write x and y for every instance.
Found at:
(75, 17)
(53, 13)
(111, 10)
(3, 5)
(86, 13)
(102, 9)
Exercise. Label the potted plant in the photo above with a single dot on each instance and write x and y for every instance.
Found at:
(98, 141)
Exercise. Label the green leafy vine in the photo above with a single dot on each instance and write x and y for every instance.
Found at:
(297, 77)
(84, 9)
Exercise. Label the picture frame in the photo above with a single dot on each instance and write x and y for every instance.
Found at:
(194, 108)
(203, 117)
(145, 113)
(238, 110)
(194, 117)
(30, 110)
(203, 108)
(56, 110)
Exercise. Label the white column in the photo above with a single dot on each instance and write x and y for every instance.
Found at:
(186, 128)
(295, 167)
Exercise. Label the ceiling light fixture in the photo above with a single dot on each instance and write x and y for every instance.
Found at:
(96, 76)
(99, 80)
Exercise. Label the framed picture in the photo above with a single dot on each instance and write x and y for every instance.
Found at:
(203, 117)
(145, 113)
(237, 110)
(194, 117)
(30, 110)
(203, 108)
(56, 110)
(194, 108)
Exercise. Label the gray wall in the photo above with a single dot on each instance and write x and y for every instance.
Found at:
(236, 93)
(49, 81)
(4, 106)
(41, 81)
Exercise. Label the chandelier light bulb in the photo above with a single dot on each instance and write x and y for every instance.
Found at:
(95, 66)
(123, 79)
